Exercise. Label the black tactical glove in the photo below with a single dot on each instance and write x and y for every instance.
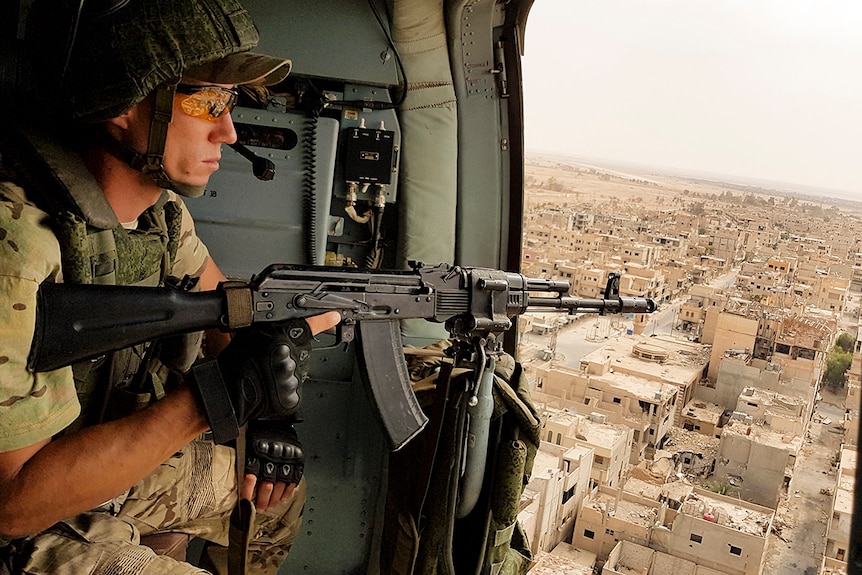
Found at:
(256, 376)
(273, 452)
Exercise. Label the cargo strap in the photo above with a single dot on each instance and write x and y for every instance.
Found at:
(239, 536)
(241, 525)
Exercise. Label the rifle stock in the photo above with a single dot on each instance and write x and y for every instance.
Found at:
(78, 322)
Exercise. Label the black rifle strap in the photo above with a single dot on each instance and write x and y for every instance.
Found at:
(431, 439)
(208, 381)
(240, 531)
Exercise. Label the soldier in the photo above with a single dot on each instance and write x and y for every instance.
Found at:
(130, 109)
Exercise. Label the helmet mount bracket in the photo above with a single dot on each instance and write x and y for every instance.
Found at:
(153, 160)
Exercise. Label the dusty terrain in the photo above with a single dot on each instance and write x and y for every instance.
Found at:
(583, 183)
(561, 181)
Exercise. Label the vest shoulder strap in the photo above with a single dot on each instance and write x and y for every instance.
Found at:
(56, 177)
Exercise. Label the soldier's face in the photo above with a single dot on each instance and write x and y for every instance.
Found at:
(193, 144)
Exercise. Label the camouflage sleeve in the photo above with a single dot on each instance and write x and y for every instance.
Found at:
(191, 253)
(33, 407)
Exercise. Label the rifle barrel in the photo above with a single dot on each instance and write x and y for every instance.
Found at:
(594, 305)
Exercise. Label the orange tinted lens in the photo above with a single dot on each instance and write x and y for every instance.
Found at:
(209, 103)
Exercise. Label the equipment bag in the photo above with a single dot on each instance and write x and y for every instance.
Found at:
(421, 534)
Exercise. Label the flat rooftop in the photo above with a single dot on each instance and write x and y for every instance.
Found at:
(642, 488)
(771, 398)
(625, 509)
(545, 465)
(564, 559)
(744, 517)
(675, 490)
(703, 411)
(639, 387)
(764, 435)
(683, 360)
(844, 501)
(604, 435)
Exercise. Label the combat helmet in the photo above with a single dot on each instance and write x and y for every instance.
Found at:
(116, 53)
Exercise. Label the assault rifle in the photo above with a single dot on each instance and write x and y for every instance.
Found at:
(78, 322)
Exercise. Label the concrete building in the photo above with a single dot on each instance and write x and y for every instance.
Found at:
(784, 414)
(630, 558)
(732, 332)
(564, 559)
(677, 278)
(714, 264)
(768, 345)
(640, 281)
(559, 481)
(784, 265)
(611, 443)
(690, 453)
(761, 284)
(583, 220)
(702, 417)
(590, 283)
(645, 406)
(854, 392)
(739, 371)
(798, 343)
(725, 245)
(832, 294)
(755, 460)
(714, 531)
(756, 236)
(717, 532)
(644, 255)
(839, 523)
(856, 275)
(692, 312)
(672, 491)
(661, 359)
(608, 516)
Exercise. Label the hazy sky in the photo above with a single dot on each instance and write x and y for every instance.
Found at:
(767, 89)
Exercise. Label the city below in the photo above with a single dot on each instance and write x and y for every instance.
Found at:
(719, 434)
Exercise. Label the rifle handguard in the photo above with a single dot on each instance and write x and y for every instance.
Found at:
(206, 378)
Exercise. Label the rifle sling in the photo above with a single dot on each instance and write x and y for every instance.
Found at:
(213, 394)
(431, 440)
(240, 533)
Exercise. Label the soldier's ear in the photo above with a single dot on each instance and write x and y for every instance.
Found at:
(132, 126)
(123, 121)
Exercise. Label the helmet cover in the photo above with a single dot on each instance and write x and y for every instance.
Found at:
(120, 57)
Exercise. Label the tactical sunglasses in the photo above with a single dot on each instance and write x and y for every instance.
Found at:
(206, 102)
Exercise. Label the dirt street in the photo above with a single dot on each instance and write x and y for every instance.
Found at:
(797, 545)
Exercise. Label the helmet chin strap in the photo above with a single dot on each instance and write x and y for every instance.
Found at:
(152, 162)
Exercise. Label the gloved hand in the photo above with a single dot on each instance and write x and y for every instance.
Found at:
(263, 370)
(273, 452)
(256, 376)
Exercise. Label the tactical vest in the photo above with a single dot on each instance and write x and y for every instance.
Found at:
(97, 249)
(121, 382)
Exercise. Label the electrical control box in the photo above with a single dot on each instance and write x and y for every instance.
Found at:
(368, 155)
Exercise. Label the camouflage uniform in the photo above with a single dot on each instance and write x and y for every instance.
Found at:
(193, 492)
